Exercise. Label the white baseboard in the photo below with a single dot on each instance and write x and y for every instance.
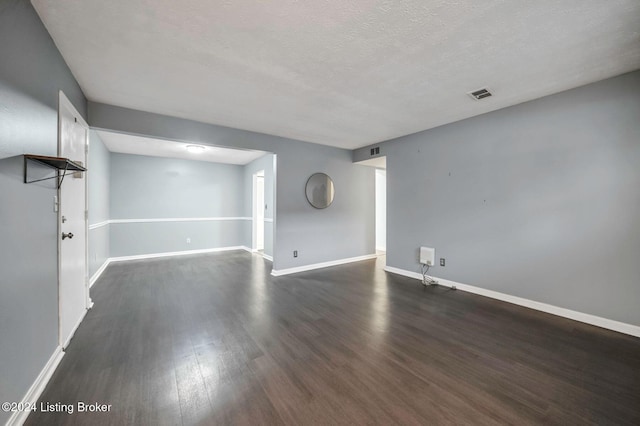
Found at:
(99, 272)
(250, 250)
(34, 392)
(609, 324)
(277, 273)
(106, 263)
(403, 272)
(174, 253)
(75, 327)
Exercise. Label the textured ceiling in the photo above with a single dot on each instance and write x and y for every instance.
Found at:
(128, 144)
(337, 72)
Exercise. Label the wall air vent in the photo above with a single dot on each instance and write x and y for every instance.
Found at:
(375, 151)
(480, 93)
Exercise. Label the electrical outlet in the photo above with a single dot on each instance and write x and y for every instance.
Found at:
(295, 253)
(442, 261)
(188, 240)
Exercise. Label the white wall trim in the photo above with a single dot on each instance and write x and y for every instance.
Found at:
(250, 250)
(173, 253)
(99, 224)
(277, 273)
(99, 272)
(169, 219)
(268, 220)
(609, 324)
(34, 392)
(179, 219)
(403, 272)
(75, 327)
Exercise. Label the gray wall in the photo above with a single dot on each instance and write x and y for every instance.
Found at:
(99, 166)
(263, 163)
(540, 200)
(31, 74)
(144, 187)
(346, 229)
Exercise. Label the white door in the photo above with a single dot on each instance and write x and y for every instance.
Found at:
(73, 292)
(260, 214)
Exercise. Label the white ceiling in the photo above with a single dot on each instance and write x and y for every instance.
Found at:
(336, 72)
(128, 144)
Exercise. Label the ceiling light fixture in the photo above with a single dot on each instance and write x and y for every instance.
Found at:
(195, 149)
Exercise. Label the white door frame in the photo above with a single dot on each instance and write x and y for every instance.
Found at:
(380, 174)
(64, 102)
(254, 215)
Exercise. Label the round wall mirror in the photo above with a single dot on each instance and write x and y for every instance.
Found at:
(319, 190)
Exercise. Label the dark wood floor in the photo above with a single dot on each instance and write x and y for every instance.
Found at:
(213, 339)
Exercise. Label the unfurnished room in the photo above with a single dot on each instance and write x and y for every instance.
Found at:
(335, 212)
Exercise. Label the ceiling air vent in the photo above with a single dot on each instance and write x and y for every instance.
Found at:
(480, 94)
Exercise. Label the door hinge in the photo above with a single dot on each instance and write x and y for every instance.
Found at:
(86, 215)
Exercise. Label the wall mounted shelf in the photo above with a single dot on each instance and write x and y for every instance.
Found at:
(60, 164)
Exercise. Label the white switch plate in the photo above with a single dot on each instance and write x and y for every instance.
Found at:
(188, 240)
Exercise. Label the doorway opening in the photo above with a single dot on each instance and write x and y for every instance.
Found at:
(258, 212)
(381, 211)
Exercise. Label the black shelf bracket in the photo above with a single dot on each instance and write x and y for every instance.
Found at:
(60, 164)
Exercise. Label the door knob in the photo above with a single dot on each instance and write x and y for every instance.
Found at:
(69, 235)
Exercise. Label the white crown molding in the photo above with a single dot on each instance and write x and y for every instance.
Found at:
(609, 324)
(278, 273)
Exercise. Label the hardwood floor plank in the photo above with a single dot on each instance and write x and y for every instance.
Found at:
(214, 339)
